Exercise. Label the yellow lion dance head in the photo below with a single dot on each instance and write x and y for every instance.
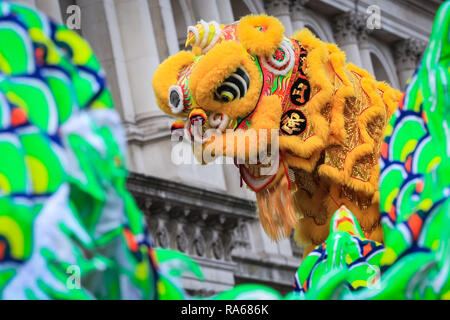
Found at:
(327, 117)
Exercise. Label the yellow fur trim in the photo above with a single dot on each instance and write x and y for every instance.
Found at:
(268, 113)
(196, 50)
(344, 91)
(300, 148)
(381, 101)
(368, 218)
(307, 232)
(306, 37)
(260, 42)
(219, 63)
(166, 75)
(391, 97)
(276, 210)
(242, 144)
(307, 164)
(367, 147)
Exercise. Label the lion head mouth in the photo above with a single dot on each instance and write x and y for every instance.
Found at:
(202, 122)
(253, 175)
(217, 130)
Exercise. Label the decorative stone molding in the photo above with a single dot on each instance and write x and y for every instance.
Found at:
(203, 293)
(182, 240)
(363, 38)
(277, 7)
(161, 235)
(147, 128)
(195, 221)
(348, 26)
(297, 9)
(213, 229)
(199, 244)
(407, 53)
(217, 247)
(393, 24)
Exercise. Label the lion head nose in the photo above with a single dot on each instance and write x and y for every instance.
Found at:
(197, 117)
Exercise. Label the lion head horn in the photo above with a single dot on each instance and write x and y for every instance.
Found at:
(203, 35)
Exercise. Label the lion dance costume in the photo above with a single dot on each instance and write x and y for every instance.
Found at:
(360, 165)
(69, 229)
(330, 117)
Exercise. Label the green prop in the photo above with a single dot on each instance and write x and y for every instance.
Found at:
(68, 227)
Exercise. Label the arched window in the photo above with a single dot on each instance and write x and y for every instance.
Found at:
(382, 62)
(314, 31)
(318, 24)
(380, 71)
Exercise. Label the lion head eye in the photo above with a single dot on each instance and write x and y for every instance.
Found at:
(234, 87)
(176, 99)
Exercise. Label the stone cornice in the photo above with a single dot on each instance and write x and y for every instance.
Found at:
(429, 6)
(213, 229)
(390, 21)
(148, 127)
(178, 193)
(204, 224)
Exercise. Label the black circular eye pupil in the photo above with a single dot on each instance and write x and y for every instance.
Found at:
(174, 98)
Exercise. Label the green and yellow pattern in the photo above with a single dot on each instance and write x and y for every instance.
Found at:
(69, 229)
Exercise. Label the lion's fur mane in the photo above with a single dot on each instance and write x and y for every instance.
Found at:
(334, 161)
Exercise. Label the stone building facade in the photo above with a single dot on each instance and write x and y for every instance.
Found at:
(202, 210)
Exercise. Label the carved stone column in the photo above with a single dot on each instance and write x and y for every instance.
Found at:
(206, 10)
(141, 58)
(99, 21)
(364, 51)
(346, 27)
(407, 53)
(170, 30)
(297, 8)
(280, 10)
(225, 11)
